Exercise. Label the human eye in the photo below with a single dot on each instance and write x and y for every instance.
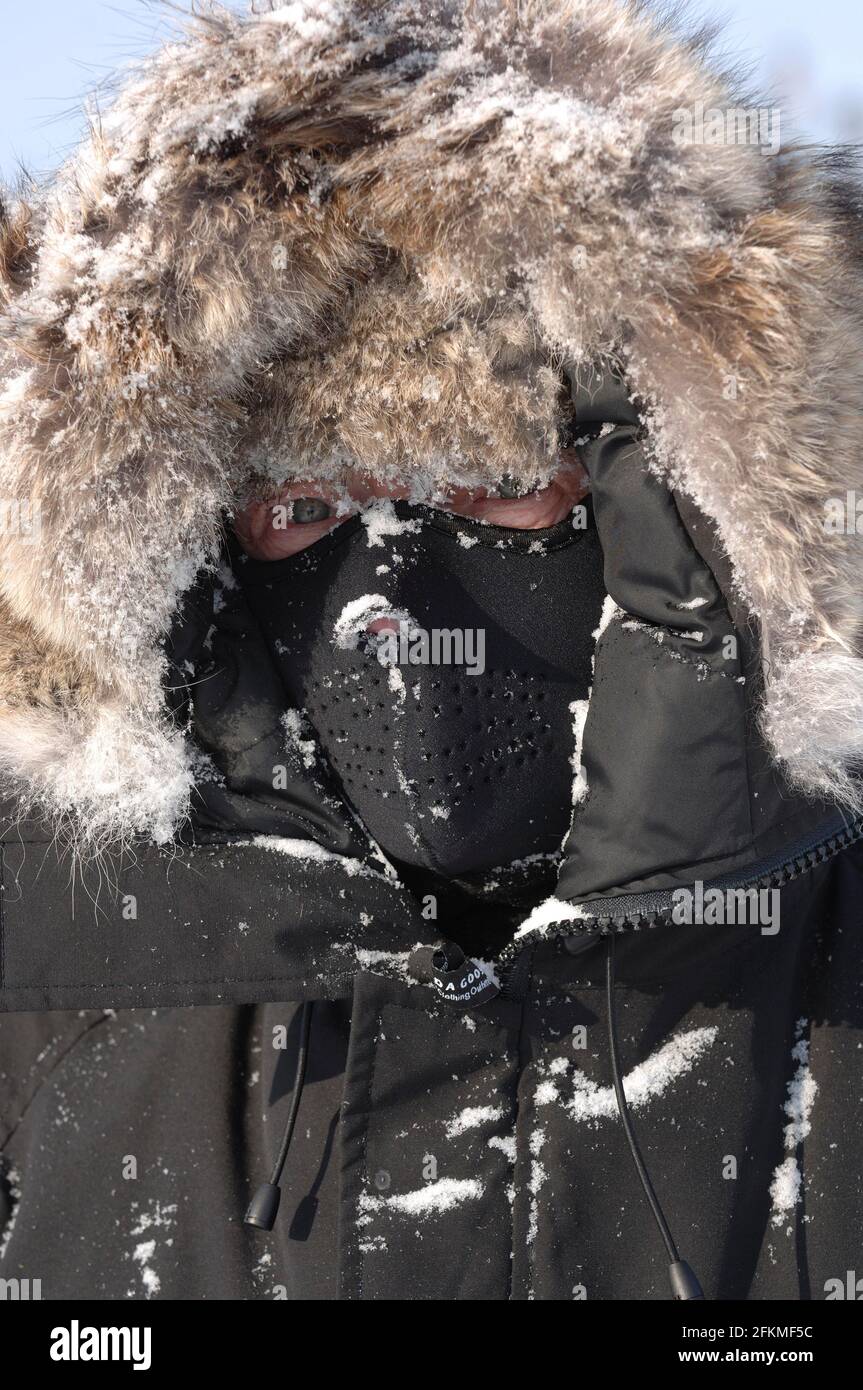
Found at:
(305, 511)
(277, 529)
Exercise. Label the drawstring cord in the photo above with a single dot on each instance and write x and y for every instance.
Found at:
(684, 1284)
(264, 1206)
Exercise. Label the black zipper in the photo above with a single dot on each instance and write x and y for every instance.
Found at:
(654, 909)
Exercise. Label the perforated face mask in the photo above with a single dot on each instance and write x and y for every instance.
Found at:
(436, 659)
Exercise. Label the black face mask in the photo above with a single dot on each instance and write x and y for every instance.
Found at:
(463, 764)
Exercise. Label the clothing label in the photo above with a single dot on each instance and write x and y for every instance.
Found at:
(469, 985)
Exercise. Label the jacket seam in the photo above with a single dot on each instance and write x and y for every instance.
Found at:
(158, 984)
(364, 1151)
(515, 1124)
(46, 1077)
(702, 666)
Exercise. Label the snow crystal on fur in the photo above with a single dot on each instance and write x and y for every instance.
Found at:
(107, 782)
(334, 236)
(820, 737)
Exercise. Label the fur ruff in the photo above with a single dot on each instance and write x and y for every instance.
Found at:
(339, 234)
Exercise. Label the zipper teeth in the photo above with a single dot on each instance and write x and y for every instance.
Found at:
(776, 878)
(504, 975)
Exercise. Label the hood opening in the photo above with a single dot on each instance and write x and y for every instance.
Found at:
(370, 236)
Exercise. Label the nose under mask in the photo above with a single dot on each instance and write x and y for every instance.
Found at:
(436, 659)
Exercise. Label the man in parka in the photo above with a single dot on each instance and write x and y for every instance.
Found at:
(430, 675)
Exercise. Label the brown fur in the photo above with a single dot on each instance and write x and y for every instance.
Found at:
(374, 245)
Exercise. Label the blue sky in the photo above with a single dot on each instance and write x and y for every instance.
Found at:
(57, 50)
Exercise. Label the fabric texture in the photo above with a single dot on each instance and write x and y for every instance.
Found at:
(453, 765)
(423, 1134)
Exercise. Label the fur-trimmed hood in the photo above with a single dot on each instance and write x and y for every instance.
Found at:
(341, 235)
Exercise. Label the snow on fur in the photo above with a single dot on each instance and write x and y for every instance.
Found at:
(322, 237)
(105, 776)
